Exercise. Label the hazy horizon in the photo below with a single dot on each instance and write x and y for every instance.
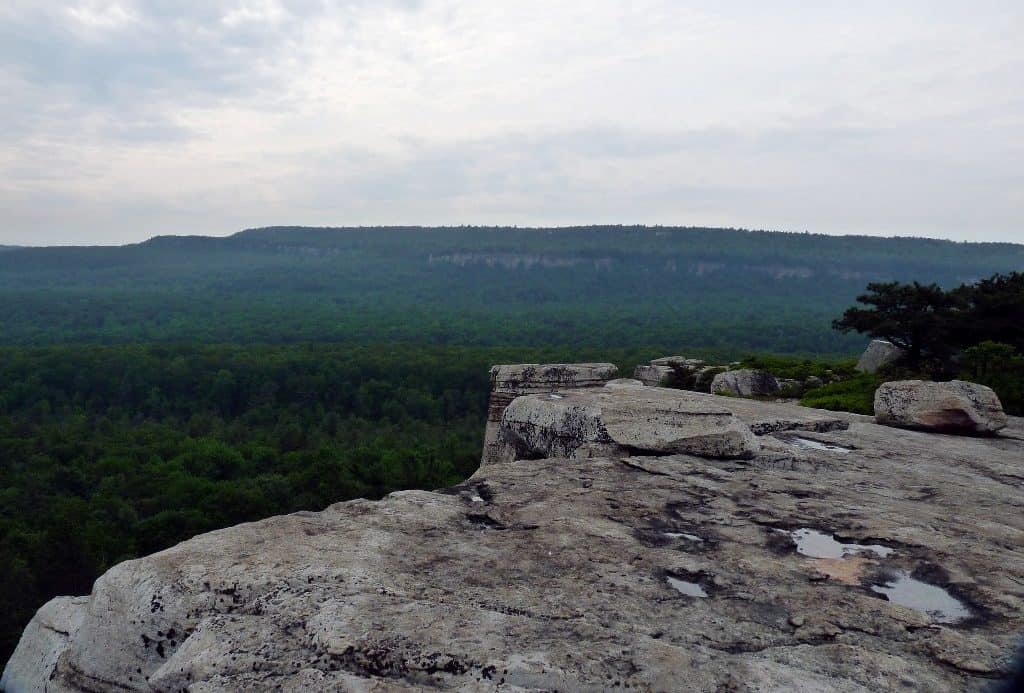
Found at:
(86, 243)
(127, 119)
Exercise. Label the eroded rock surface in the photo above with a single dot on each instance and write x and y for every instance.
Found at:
(656, 573)
(511, 381)
(745, 382)
(951, 407)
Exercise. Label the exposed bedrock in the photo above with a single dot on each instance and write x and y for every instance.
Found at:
(511, 381)
(623, 421)
(793, 570)
(951, 407)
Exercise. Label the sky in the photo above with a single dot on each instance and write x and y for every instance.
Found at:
(125, 119)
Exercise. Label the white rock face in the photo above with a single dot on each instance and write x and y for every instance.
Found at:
(619, 422)
(953, 407)
(45, 638)
(511, 381)
(878, 354)
(745, 383)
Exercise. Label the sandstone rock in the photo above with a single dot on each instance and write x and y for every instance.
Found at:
(554, 574)
(745, 383)
(879, 353)
(511, 381)
(43, 641)
(953, 407)
(621, 422)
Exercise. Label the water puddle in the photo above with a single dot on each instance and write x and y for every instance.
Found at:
(690, 589)
(554, 396)
(815, 544)
(681, 535)
(939, 604)
(818, 445)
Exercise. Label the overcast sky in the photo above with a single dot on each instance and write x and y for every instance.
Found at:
(120, 120)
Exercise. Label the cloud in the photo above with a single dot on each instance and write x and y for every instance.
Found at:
(126, 118)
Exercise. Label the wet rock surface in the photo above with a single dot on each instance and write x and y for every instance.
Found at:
(951, 407)
(657, 573)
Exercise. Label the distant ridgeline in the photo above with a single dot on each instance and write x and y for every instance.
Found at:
(723, 290)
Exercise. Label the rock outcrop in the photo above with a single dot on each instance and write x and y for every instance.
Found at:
(879, 354)
(617, 422)
(511, 381)
(745, 382)
(845, 556)
(950, 407)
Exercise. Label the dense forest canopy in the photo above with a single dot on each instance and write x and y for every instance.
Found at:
(718, 290)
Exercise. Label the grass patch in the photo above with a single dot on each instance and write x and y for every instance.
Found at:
(855, 395)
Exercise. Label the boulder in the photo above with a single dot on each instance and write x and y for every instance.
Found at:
(745, 383)
(653, 376)
(511, 381)
(43, 641)
(812, 382)
(620, 422)
(951, 407)
(879, 353)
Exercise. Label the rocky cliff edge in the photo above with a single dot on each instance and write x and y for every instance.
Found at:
(840, 556)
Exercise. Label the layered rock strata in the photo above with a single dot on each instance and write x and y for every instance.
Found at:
(511, 381)
(648, 572)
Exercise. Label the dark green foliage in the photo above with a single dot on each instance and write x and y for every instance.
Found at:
(708, 290)
(1001, 367)
(800, 369)
(993, 311)
(915, 317)
(856, 395)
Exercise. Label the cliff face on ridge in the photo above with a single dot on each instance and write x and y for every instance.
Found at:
(833, 554)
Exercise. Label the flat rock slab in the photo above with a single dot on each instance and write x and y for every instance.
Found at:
(623, 421)
(586, 575)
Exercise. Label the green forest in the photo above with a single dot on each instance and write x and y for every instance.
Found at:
(155, 391)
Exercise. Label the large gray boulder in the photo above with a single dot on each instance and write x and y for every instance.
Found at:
(621, 422)
(646, 573)
(745, 382)
(879, 354)
(953, 407)
(511, 381)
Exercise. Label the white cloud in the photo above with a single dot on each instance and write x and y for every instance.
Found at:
(129, 119)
